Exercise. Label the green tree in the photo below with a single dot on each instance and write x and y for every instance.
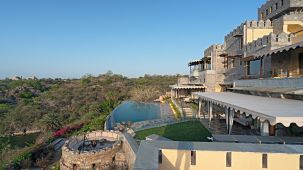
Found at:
(52, 121)
(109, 73)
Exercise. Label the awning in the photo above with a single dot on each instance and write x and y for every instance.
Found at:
(187, 87)
(274, 110)
(298, 91)
(276, 51)
(195, 62)
(258, 139)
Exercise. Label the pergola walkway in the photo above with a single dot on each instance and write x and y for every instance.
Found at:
(270, 111)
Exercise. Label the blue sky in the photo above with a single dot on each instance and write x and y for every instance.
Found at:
(71, 38)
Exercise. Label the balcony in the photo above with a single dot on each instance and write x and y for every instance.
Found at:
(263, 45)
(296, 82)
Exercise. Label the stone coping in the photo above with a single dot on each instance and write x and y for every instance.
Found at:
(74, 143)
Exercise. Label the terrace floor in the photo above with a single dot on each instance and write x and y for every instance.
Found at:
(218, 127)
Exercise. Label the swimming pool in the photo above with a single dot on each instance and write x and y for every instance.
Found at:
(131, 111)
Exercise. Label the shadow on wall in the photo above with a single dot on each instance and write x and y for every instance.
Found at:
(176, 159)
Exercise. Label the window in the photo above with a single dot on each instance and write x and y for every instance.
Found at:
(74, 167)
(266, 12)
(228, 159)
(264, 160)
(254, 67)
(193, 157)
(94, 166)
(270, 10)
(301, 162)
(282, 2)
(160, 156)
(234, 62)
(262, 16)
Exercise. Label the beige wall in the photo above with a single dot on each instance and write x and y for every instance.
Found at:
(253, 34)
(292, 26)
(215, 160)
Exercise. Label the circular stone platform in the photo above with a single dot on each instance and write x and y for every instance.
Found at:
(94, 150)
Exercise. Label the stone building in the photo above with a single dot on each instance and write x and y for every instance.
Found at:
(255, 49)
(270, 47)
(206, 74)
(263, 57)
(14, 78)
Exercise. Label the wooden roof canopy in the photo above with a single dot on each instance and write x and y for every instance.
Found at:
(203, 60)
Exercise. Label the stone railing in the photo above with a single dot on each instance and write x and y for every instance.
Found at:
(212, 48)
(130, 148)
(74, 143)
(281, 83)
(249, 24)
(196, 81)
(236, 31)
(183, 80)
(259, 24)
(73, 158)
(297, 39)
(268, 42)
(275, 8)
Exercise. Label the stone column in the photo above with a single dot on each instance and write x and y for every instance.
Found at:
(272, 130)
(231, 120)
(246, 70)
(210, 112)
(227, 118)
(261, 67)
(200, 108)
(264, 129)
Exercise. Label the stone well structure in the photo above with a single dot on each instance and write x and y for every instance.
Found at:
(95, 150)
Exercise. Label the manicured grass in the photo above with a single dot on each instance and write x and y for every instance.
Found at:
(186, 131)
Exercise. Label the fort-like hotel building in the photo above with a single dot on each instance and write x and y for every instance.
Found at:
(254, 80)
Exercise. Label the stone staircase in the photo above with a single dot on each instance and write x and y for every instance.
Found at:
(188, 113)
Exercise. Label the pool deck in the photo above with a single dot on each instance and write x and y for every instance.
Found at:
(138, 126)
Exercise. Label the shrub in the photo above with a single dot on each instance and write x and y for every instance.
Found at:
(67, 129)
(175, 109)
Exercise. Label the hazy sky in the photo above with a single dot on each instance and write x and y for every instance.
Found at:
(70, 38)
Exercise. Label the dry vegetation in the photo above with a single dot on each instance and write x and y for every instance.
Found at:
(50, 104)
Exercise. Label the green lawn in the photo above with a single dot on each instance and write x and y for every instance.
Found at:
(187, 131)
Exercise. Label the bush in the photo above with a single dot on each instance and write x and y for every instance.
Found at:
(175, 109)
(22, 157)
(67, 129)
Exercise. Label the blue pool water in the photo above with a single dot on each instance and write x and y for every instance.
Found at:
(135, 112)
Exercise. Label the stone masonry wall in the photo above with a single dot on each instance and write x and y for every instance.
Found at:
(99, 159)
